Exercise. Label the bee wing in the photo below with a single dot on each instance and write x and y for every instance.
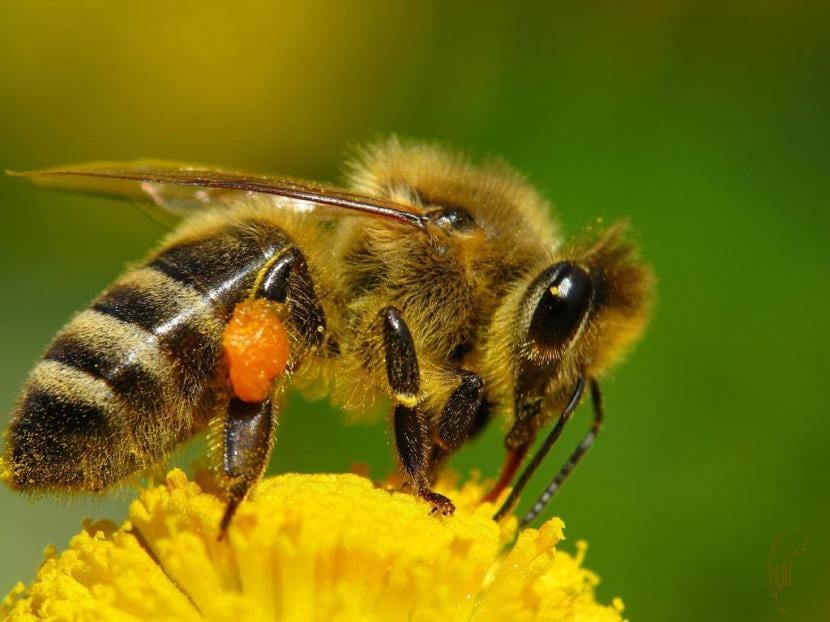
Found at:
(180, 188)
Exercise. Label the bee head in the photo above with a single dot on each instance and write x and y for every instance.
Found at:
(578, 315)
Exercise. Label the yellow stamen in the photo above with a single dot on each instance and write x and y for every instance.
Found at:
(310, 547)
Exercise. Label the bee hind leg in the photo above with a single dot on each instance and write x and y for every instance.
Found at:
(288, 281)
(249, 427)
(248, 440)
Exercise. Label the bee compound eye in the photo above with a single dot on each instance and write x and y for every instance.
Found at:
(563, 294)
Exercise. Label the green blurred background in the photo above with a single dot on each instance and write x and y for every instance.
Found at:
(707, 126)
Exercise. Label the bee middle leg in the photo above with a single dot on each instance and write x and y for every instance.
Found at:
(412, 436)
(414, 446)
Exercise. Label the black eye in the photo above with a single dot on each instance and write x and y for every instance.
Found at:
(563, 292)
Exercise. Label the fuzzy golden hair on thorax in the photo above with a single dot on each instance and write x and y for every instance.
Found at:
(498, 197)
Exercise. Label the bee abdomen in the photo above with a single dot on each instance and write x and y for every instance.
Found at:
(102, 404)
(110, 395)
(138, 385)
(179, 324)
(135, 374)
(68, 432)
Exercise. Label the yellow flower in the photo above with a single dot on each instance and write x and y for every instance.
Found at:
(309, 547)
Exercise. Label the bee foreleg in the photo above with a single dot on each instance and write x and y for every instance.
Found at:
(458, 420)
(459, 412)
(412, 436)
(248, 440)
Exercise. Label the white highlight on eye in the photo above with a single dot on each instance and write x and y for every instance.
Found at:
(565, 286)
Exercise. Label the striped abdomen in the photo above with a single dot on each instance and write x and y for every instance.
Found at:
(133, 375)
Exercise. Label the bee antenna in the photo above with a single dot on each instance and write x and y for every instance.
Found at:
(540, 454)
(576, 456)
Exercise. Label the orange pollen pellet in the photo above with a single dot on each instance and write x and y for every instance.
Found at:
(256, 348)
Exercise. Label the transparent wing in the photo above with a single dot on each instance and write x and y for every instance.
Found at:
(180, 188)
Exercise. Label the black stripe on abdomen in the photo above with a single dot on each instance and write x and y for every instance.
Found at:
(183, 297)
(139, 387)
(180, 321)
(132, 304)
(50, 436)
(224, 265)
(58, 416)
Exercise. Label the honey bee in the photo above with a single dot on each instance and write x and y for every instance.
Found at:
(438, 287)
